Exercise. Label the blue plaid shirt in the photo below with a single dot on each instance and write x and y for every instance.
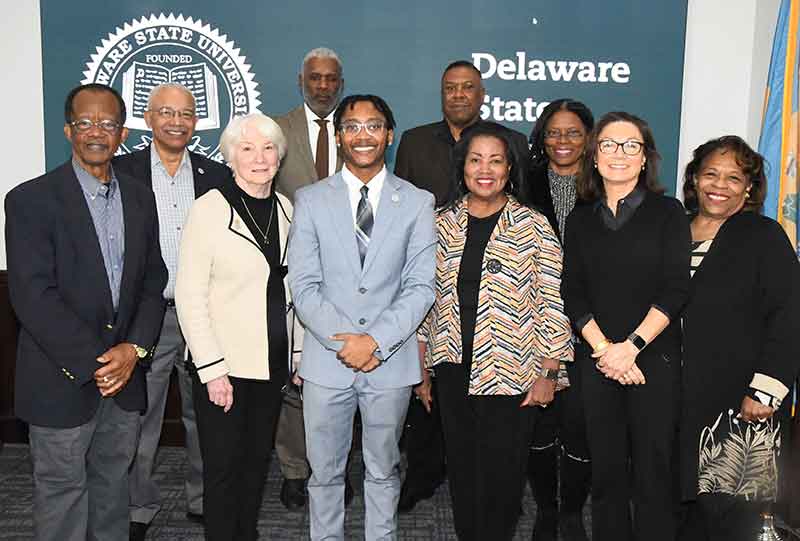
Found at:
(105, 206)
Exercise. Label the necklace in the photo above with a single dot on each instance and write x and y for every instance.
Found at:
(269, 222)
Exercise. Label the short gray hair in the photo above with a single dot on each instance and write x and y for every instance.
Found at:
(321, 52)
(164, 86)
(235, 129)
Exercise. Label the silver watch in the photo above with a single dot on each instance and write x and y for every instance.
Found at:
(549, 373)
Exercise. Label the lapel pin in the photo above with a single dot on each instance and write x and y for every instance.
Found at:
(395, 198)
(200, 170)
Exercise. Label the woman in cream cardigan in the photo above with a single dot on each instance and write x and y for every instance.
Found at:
(235, 312)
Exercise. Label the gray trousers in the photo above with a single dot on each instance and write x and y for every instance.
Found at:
(329, 430)
(290, 438)
(145, 499)
(80, 476)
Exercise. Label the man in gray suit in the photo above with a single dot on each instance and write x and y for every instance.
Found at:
(311, 155)
(361, 262)
(311, 144)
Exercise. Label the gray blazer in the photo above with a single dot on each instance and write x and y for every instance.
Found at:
(387, 298)
(297, 168)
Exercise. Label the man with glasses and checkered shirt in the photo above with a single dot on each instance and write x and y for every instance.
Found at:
(85, 277)
(177, 177)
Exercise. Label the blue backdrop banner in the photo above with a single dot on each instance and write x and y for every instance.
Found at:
(246, 55)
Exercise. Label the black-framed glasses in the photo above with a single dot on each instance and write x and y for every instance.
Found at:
(631, 147)
(169, 113)
(570, 135)
(84, 125)
(353, 128)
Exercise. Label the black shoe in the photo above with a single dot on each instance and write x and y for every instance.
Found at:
(410, 497)
(138, 531)
(546, 526)
(293, 494)
(571, 526)
(348, 492)
(197, 518)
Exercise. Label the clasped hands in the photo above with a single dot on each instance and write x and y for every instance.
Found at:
(357, 352)
(118, 364)
(617, 361)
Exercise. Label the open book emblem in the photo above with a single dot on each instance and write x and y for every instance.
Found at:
(144, 53)
(139, 79)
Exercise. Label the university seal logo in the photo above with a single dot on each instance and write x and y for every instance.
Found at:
(162, 49)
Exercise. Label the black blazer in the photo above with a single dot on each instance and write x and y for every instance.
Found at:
(207, 173)
(59, 291)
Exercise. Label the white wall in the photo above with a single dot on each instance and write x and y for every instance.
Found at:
(22, 135)
(728, 47)
(728, 44)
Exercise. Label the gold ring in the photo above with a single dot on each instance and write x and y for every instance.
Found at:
(105, 379)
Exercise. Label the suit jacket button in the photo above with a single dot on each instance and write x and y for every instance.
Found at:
(362, 321)
(362, 290)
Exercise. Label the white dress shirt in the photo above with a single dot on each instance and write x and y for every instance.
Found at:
(313, 134)
(354, 185)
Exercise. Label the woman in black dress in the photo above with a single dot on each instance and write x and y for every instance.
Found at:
(741, 347)
(558, 142)
(625, 283)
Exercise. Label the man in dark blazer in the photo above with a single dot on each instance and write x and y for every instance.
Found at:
(424, 158)
(177, 177)
(85, 279)
(311, 155)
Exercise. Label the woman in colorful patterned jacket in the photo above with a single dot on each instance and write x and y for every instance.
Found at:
(497, 336)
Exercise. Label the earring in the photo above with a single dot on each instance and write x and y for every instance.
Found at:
(747, 193)
(595, 165)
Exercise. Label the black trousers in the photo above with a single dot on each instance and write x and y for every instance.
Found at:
(236, 447)
(560, 429)
(632, 434)
(721, 517)
(486, 442)
(422, 440)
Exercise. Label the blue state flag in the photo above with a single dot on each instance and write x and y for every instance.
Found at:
(780, 131)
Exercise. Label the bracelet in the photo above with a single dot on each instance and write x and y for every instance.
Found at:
(601, 345)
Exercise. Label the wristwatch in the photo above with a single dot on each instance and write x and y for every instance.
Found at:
(141, 353)
(637, 341)
(549, 373)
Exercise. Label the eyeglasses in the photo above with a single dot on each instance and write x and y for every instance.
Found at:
(571, 135)
(84, 125)
(168, 113)
(353, 128)
(629, 148)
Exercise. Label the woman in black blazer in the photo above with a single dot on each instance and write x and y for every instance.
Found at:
(558, 142)
(741, 347)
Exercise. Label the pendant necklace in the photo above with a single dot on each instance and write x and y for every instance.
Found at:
(269, 222)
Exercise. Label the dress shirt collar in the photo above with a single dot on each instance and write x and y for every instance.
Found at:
(311, 116)
(91, 185)
(155, 162)
(354, 185)
(626, 208)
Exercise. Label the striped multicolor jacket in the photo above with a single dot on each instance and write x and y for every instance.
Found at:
(520, 317)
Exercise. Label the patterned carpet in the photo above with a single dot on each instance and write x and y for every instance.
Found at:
(430, 520)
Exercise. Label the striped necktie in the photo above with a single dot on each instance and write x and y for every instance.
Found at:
(363, 224)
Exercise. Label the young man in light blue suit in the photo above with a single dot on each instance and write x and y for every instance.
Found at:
(361, 270)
